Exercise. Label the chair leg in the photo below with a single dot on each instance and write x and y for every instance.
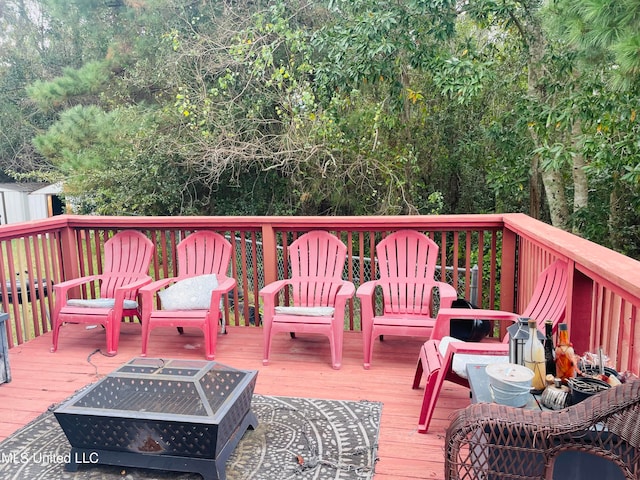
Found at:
(56, 333)
(266, 333)
(435, 369)
(419, 370)
(223, 322)
(367, 342)
(335, 341)
(146, 333)
(431, 392)
(210, 336)
(113, 336)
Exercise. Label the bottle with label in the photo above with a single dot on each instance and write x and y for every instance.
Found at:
(549, 349)
(566, 366)
(534, 358)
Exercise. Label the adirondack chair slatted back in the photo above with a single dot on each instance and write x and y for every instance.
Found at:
(406, 264)
(127, 256)
(549, 298)
(317, 261)
(203, 253)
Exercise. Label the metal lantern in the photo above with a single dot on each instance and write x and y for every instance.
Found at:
(518, 336)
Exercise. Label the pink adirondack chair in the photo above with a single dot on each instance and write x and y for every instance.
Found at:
(319, 294)
(436, 363)
(406, 263)
(193, 298)
(127, 257)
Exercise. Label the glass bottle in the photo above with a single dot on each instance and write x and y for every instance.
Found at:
(566, 366)
(549, 349)
(534, 357)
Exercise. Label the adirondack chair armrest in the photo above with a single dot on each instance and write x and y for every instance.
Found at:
(61, 289)
(225, 285)
(121, 292)
(135, 286)
(442, 328)
(269, 293)
(347, 290)
(366, 294)
(153, 287)
(148, 292)
(345, 293)
(476, 348)
(367, 289)
(447, 294)
(274, 287)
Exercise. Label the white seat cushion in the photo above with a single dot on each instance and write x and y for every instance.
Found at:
(461, 360)
(193, 293)
(100, 303)
(306, 311)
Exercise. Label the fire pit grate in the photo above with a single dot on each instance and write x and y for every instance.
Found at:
(170, 414)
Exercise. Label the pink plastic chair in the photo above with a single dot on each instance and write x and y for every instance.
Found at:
(202, 253)
(548, 302)
(127, 257)
(406, 264)
(319, 294)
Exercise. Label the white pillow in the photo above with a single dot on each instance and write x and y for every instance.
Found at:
(306, 311)
(461, 360)
(101, 303)
(193, 293)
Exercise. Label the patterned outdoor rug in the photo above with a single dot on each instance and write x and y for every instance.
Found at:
(297, 438)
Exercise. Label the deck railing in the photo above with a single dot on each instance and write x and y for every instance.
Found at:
(509, 251)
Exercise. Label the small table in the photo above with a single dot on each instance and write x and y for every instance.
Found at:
(480, 393)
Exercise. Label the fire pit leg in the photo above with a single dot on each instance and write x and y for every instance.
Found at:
(249, 421)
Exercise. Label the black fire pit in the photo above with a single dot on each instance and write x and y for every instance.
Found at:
(178, 415)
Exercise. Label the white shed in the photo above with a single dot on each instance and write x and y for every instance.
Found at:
(21, 202)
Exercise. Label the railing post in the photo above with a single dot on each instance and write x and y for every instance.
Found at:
(507, 275)
(69, 254)
(270, 253)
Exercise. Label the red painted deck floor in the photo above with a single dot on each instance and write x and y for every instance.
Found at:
(299, 367)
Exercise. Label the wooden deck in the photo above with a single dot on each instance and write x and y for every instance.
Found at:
(299, 367)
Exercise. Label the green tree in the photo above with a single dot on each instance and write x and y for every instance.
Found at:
(601, 37)
(338, 107)
(602, 28)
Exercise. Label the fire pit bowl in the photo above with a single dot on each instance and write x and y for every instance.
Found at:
(182, 415)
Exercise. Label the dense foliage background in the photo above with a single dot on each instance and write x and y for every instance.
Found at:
(145, 107)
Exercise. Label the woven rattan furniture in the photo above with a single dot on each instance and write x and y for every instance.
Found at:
(490, 441)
